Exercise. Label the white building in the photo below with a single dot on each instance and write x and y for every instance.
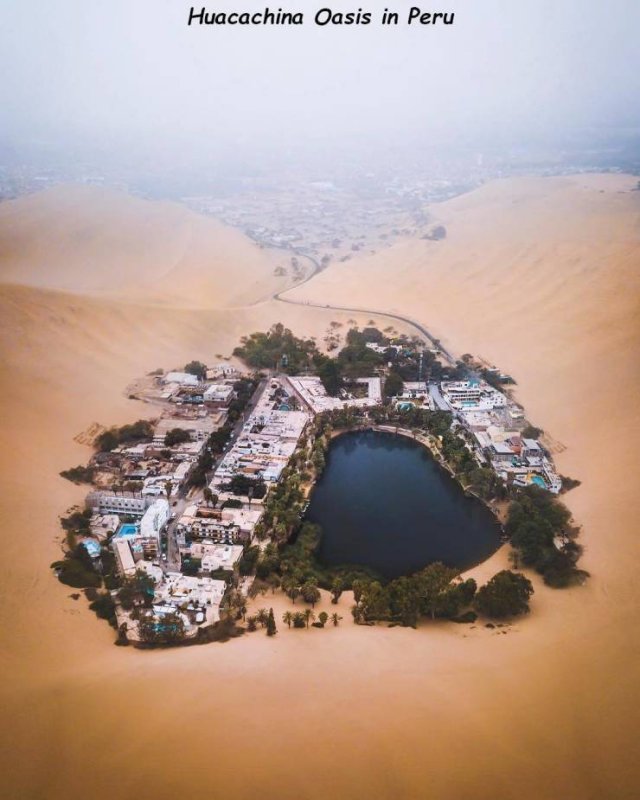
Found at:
(217, 556)
(154, 520)
(219, 394)
(125, 504)
(181, 378)
(185, 593)
(472, 395)
(124, 557)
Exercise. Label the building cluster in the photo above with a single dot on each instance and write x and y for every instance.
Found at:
(148, 508)
(212, 527)
(312, 394)
(141, 488)
(495, 424)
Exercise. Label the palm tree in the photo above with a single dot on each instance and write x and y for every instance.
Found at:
(287, 618)
(262, 616)
(310, 592)
(335, 618)
(309, 616)
(290, 588)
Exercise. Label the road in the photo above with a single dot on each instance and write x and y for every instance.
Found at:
(187, 497)
(354, 310)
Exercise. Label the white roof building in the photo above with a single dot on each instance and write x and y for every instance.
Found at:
(219, 393)
(217, 556)
(154, 519)
(181, 378)
(124, 557)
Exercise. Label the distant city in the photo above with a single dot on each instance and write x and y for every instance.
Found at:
(329, 208)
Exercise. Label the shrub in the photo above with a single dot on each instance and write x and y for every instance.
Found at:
(505, 595)
(78, 474)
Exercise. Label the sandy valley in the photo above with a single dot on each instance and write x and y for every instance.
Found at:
(541, 277)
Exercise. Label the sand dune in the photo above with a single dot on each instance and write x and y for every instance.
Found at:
(84, 239)
(539, 276)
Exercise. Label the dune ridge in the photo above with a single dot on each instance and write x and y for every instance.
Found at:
(540, 277)
(87, 240)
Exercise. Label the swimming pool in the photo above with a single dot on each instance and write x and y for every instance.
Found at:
(127, 530)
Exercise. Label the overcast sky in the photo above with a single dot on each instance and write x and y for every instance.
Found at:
(131, 73)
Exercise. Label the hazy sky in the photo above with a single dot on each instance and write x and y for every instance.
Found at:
(130, 72)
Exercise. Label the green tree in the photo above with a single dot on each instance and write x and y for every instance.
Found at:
(176, 436)
(337, 587)
(433, 582)
(196, 368)
(505, 595)
(290, 587)
(287, 618)
(263, 617)
(330, 375)
(309, 616)
(335, 618)
(393, 384)
(271, 624)
(310, 592)
(167, 630)
(323, 618)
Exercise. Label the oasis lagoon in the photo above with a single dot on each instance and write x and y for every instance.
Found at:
(383, 502)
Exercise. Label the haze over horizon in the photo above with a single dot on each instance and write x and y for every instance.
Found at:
(129, 79)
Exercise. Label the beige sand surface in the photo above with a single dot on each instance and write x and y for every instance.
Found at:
(93, 240)
(539, 276)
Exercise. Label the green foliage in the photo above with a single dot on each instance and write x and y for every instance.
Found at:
(271, 624)
(242, 485)
(310, 592)
(276, 349)
(505, 595)
(393, 384)
(79, 474)
(232, 503)
(136, 591)
(176, 436)
(299, 620)
(531, 432)
(330, 375)
(74, 572)
(249, 560)
(166, 631)
(337, 587)
(534, 520)
(77, 523)
(139, 431)
(435, 592)
(104, 607)
(196, 368)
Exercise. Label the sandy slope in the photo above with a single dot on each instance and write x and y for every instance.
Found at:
(85, 239)
(540, 276)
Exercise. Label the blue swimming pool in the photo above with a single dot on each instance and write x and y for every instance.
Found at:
(127, 530)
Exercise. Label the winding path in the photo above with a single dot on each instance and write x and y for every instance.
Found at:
(370, 311)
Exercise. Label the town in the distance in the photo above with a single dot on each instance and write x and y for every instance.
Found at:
(188, 505)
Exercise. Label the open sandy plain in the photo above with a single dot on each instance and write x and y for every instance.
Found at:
(539, 276)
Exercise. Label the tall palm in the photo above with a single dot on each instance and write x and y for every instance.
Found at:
(262, 616)
(335, 618)
(309, 616)
(287, 618)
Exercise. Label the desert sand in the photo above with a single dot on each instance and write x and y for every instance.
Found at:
(539, 276)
